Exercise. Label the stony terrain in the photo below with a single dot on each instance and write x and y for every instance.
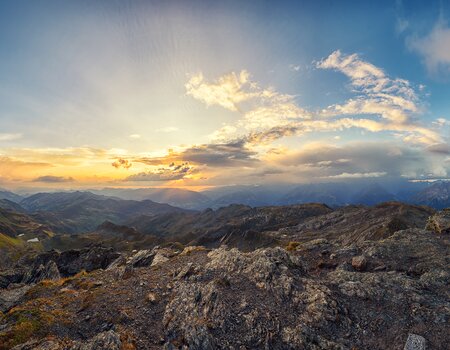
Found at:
(351, 289)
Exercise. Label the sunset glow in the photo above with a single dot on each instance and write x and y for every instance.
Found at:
(185, 94)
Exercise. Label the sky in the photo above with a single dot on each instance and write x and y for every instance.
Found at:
(198, 94)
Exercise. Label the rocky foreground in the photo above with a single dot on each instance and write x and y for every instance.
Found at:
(325, 292)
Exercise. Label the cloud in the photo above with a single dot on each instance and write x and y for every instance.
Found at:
(9, 137)
(53, 179)
(251, 149)
(86, 164)
(401, 26)
(13, 169)
(122, 163)
(270, 135)
(394, 100)
(434, 48)
(440, 122)
(134, 136)
(228, 91)
(69, 156)
(168, 129)
(381, 104)
(357, 175)
(390, 98)
(267, 115)
(330, 161)
(261, 107)
(170, 173)
(441, 148)
(231, 154)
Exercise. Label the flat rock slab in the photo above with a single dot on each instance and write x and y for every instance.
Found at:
(12, 297)
(415, 342)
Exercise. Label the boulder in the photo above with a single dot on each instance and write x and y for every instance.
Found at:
(73, 261)
(415, 342)
(439, 222)
(142, 258)
(359, 263)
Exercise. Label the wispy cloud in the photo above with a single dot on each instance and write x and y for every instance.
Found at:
(53, 179)
(434, 48)
(394, 100)
(268, 115)
(357, 175)
(13, 168)
(9, 137)
(168, 129)
(169, 173)
(231, 154)
(322, 160)
(440, 122)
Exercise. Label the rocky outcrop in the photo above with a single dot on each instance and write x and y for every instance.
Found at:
(356, 224)
(379, 293)
(89, 259)
(53, 265)
(439, 222)
(109, 340)
(142, 258)
(39, 345)
(11, 275)
(12, 297)
(226, 309)
(49, 271)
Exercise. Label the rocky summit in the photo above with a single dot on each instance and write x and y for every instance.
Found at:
(350, 278)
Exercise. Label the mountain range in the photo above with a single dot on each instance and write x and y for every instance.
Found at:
(436, 195)
(75, 219)
(299, 276)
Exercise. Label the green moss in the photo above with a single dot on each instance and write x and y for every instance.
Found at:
(26, 323)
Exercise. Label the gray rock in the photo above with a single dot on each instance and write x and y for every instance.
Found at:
(415, 342)
(89, 259)
(120, 261)
(359, 263)
(13, 275)
(48, 272)
(109, 340)
(39, 345)
(142, 258)
(12, 297)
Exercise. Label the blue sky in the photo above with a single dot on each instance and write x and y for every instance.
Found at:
(190, 93)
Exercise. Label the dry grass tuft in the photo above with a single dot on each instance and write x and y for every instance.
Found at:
(292, 246)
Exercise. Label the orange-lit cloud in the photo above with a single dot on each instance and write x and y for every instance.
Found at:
(122, 163)
(169, 173)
